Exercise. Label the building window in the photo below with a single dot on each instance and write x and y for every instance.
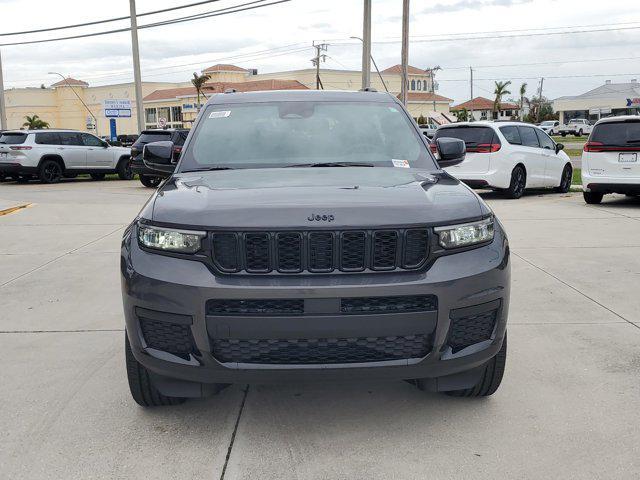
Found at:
(413, 84)
(425, 85)
(176, 114)
(419, 85)
(164, 112)
(150, 115)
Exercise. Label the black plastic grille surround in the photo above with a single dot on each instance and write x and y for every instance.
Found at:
(399, 304)
(255, 307)
(321, 350)
(168, 337)
(321, 251)
(466, 331)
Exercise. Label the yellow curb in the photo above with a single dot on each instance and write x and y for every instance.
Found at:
(10, 210)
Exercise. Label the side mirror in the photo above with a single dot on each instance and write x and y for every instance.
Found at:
(159, 156)
(105, 144)
(559, 146)
(451, 151)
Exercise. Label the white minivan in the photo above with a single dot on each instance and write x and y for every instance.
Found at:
(611, 158)
(508, 156)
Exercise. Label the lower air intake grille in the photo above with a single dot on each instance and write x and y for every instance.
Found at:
(256, 307)
(405, 303)
(466, 331)
(168, 337)
(321, 350)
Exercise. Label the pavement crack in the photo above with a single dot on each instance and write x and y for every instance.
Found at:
(233, 435)
(575, 289)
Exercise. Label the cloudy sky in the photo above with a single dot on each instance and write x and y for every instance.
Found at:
(279, 37)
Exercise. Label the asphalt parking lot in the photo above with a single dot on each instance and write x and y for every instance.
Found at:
(567, 408)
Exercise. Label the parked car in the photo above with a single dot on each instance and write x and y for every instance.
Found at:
(611, 158)
(550, 127)
(428, 130)
(509, 156)
(292, 242)
(577, 127)
(152, 178)
(50, 155)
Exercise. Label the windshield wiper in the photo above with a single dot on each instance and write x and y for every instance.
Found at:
(208, 169)
(331, 164)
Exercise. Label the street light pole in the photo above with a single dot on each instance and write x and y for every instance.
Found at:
(3, 111)
(64, 79)
(136, 65)
(366, 45)
(374, 64)
(405, 51)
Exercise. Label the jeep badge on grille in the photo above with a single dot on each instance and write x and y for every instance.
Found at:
(320, 218)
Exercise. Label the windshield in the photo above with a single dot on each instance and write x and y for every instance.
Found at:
(281, 134)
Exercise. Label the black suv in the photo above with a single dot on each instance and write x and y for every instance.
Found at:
(152, 178)
(312, 235)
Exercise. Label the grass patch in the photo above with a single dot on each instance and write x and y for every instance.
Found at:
(577, 179)
(573, 152)
(570, 138)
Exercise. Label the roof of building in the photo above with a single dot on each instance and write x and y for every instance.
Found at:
(70, 82)
(220, 87)
(222, 67)
(609, 90)
(481, 103)
(426, 97)
(398, 70)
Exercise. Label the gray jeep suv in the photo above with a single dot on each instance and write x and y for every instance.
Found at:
(312, 235)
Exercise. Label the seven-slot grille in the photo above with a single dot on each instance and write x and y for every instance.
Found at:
(320, 251)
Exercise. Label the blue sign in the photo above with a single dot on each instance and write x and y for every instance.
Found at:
(633, 102)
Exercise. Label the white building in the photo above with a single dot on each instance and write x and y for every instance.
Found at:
(610, 99)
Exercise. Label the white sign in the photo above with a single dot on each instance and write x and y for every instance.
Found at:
(117, 108)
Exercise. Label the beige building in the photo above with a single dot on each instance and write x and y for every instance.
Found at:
(175, 104)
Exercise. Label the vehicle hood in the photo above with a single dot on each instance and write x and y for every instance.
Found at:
(295, 197)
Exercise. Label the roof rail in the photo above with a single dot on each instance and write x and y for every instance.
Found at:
(368, 89)
(230, 90)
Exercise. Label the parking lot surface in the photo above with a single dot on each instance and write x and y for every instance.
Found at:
(567, 408)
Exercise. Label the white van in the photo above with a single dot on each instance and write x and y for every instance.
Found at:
(611, 158)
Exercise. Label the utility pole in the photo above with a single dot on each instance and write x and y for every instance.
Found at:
(136, 65)
(471, 85)
(64, 79)
(316, 61)
(433, 83)
(375, 65)
(3, 111)
(366, 45)
(405, 51)
(540, 100)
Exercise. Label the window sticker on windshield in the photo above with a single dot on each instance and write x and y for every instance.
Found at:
(400, 163)
(220, 114)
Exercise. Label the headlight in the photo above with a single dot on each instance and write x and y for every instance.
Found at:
(181, 241)
(456, 236)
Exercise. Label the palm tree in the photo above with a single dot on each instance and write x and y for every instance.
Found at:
(35, 123)
(500, 91)
(523, 90)
(198, 81)
(463, 115)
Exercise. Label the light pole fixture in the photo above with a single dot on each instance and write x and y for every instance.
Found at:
(374, 64)
(66, 81)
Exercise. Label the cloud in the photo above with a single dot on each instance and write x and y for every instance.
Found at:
(471, 5)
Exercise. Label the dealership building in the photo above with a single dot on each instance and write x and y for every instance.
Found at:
(610, 99)
(74, 104)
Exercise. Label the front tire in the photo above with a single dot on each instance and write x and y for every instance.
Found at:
(149, 181)
(142, 390)
(518, 183)
(579, 134)
(50, 171)
(592, 198)
(124, 169)
(565, 179)
(491, 377)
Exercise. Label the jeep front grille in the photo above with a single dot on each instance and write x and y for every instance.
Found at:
(322, 251)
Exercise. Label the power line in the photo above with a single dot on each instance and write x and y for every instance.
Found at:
(108, 20)
(546, 77)
(214, 13)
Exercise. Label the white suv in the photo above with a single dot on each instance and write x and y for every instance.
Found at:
(53, 154)
(611, 158)
(508, 156)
